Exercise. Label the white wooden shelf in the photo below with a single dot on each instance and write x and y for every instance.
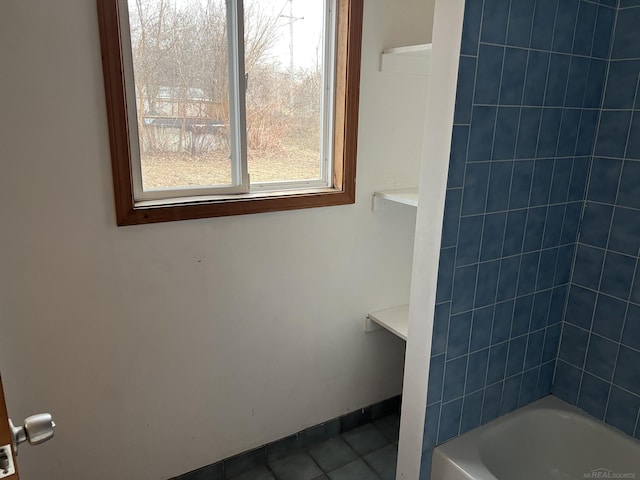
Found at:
(405, 196)
(396, 320)
(413, 59)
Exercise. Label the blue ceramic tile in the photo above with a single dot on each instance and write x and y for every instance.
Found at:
(631, 331)
(595, 83)
(528, 273)
(573, 345)
(545, 379)
(244, 462)
(458, 157)
(536, 80)
(534, 229)
(577, 83)
(617, 275)
(513, 76)
(504, 144)
(557, 80)
(626, 43)
(580, 306)
(528, 132)
(491, 402)
(521, 184)
(499, 186)
(612, 133)
(469, 240)
(477, 370)
(622, 410)
(514, 232)
(529, 387)
(503, 316)
(602, 35)
(471, 28)
(544, 19)
(476, 183)
(588, 267)
(452, 206)
(635, 290)
(432, 417)
(561, 179)
(450, 420)
(522, 315)
(586, 132)
(497, 362)
(510, 394)
(534, 349)
(471, 411)
(515, 360)
(551, 342)
(547, 268)
(210, 472)
(459, 332)
(455, 372)
(628, 3)
(567, 382)
(628, 194)
(605, 175)
(285, 447)
(633, 146)
(487, 86)
(440, 329)
(481, 134)
(593, 396)
(585, 28)
(609, 317)
(445, 274)
(541, 185)
(622, 82)
(569, 132)
(571, 223)
(565, 25)
(299, 466)
(492, 236)
(556, 308)
(464, 288)
(595, 224)
(507, 283)
(481, 329)
(549, 132)
(578, 179)
(520, 23)
(495, 16)
(425, 465)
(564, 264)
(553, 226)
(601, 357)
(487, 283)
(627, 374)
(436, 377)
(259, 473)
(464, 93)
(540, 311)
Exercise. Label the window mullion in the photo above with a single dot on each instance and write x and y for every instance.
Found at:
(237, 88)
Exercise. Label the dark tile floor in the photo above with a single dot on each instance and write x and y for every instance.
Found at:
(369, 452)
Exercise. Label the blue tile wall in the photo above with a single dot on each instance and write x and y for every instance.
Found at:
(530, 88)
(599, 358)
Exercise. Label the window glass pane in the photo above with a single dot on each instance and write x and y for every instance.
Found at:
(284, 65)
(181, 81)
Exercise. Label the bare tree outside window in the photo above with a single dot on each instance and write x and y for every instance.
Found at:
(180, 57)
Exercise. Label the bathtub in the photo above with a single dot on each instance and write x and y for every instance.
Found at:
(548, 439)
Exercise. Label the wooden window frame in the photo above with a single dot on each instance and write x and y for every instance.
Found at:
(347, 92)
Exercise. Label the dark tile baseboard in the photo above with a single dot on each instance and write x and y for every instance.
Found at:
(237, 465)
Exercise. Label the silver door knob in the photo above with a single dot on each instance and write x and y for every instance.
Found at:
(37, 429)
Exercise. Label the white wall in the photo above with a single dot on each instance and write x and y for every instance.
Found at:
(166, 347)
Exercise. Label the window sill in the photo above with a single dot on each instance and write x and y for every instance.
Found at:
(189, 208)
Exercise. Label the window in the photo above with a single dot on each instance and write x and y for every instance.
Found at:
(227, 107)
